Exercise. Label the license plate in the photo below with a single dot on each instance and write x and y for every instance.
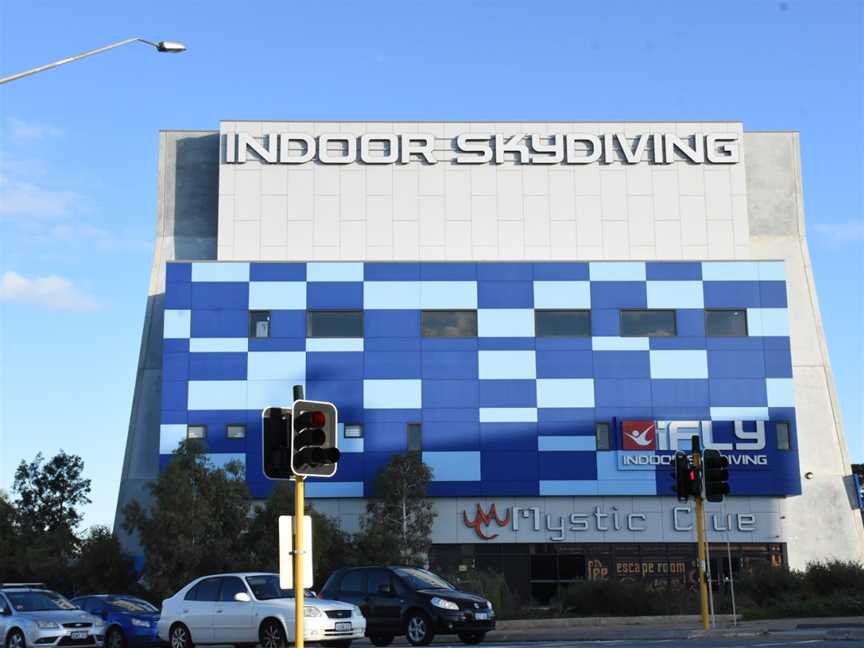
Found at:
(481, 616)
(343, 626)
(79, 635)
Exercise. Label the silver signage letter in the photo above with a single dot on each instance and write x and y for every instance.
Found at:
(325, 156)
(751, 440)
(676, 522)
(551, 153)
(477, 145)
(307, 143)
(512, 145)
(267, 152)
(632, 156)
(721, 148)
(391, 149)
(594, 149)
(418, 145)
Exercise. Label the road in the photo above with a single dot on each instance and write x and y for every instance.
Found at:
(755, 642)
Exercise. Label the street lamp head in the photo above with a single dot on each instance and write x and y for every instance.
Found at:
(170, 46)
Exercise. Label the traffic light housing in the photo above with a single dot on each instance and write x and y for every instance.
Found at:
(276, 442)
(686, 477)
(314, 439)
(716, 475)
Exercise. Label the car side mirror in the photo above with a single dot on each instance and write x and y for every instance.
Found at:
(242, 597)
(4, 611)
(385, 589)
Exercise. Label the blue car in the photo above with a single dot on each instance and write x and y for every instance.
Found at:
(130, 622)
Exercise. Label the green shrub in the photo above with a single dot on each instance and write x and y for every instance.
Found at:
(491, 585)
(625, 598)
(833, 577)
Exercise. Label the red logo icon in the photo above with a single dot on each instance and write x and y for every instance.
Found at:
(639, 435)
(484, 519)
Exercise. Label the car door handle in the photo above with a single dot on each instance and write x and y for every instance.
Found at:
(185, 611)
(218, 611)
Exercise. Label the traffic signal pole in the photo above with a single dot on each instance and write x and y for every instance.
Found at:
(299, 592)
(299, 521)
(700, 537)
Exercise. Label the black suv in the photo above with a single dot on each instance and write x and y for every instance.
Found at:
(412, 602)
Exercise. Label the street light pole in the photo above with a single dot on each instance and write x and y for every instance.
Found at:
(161, 46)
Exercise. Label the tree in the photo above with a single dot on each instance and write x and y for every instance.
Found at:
(47, 510)
(196, 522)
(399, 516)
(9, 544)
(102, 566)
(331, 548)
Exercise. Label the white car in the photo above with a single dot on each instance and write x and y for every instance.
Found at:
(251, 608)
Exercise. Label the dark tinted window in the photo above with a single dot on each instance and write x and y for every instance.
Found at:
(334, 324)
(601, 430)
(259, 324)
(784, 441)
(726, 323)
(562, 323)
(206, 590)
(449, 323)
(415, 437)
(353, 581)
(130, 604)
(231, 585)
(375, 579)
(647, 323)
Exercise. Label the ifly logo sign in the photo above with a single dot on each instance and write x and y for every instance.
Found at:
(639, 435)
(676, 435)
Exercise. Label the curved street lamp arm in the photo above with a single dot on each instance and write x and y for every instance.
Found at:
(76, 57)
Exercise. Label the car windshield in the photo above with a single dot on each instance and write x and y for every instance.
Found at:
(266, 587)
(40, 601)
(130, 604)
(422, 579)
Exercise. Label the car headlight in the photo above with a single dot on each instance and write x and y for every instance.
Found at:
(356, 611)
(444, 604)
(311, 611)
(47, 625)
(141, 623)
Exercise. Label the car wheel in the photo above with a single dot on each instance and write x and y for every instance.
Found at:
(418, 629)
(272, 635)
(342, 643)
(472, 638)
(16, 640)
(179, 637)
(115, 639)
(381, 640)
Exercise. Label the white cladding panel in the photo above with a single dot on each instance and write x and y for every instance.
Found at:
(512, 211)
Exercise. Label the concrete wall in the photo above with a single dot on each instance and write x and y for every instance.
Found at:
(186, 222)
(480, 212)
(821, 523)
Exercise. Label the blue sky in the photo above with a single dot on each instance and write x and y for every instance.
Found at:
(79, 145)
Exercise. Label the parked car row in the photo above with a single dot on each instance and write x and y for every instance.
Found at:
(250, 608)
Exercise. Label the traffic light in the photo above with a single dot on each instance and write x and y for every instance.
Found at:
(314, 451)
(686, 477)
(276, 439)
(716, 475)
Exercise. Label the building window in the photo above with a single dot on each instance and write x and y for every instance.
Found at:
(647, 323)
(236, 431)
(784, 439)
(196, 431)
(415, 437)
(562, 323)
(601, 432)
(726, 323)
(443, 323)
(353, 431)
(334, 324)
(259, 324)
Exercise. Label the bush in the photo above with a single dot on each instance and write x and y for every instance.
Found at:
(491, 585)
(625, 598)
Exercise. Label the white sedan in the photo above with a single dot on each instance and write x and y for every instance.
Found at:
(251, 608)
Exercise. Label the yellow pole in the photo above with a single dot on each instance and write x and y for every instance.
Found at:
(299, 592)
(700, 545)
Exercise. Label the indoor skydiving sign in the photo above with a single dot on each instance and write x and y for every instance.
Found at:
(474, 148)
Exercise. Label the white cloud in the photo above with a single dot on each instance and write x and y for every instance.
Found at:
(21, 198)
(54, 292)
(852, 231)
(24, 130)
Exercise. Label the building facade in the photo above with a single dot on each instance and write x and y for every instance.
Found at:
(545, 311)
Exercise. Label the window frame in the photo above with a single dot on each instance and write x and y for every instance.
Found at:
(252, 323)
(788, 427)
(408, 429)
(189, 427)
(727, 310)
(598, 425)
(622, 311)
(473, 311)
(235, 425)
(538, 311)
(352, 436)
(311, 312)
